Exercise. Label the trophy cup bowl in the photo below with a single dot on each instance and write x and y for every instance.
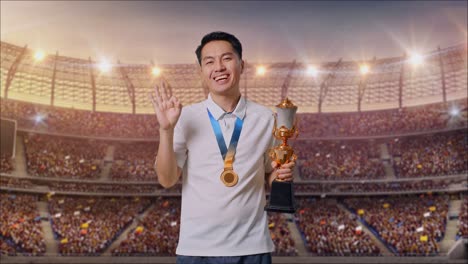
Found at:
(282, 195)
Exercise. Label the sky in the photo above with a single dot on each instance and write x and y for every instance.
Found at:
(166, 32)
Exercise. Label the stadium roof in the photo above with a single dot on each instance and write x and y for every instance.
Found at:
(391, 83)
(168, 32)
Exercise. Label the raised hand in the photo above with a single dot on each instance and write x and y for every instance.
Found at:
(167, 109)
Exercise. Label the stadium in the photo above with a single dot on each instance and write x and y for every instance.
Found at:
(381, 175)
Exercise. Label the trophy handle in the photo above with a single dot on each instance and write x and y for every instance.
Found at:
(275, 130)
(272, 154)
(296, 127)
(274, 125)
(294, 158)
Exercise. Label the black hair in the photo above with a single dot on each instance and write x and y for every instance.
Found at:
(219, 35)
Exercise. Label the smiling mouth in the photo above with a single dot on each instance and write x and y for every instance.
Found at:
(221, 78)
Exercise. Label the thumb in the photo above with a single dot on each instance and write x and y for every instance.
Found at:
(274, 164)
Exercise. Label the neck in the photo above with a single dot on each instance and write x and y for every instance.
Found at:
(227, 103)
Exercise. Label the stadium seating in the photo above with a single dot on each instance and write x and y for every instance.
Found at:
(409, 225)
(20, 229)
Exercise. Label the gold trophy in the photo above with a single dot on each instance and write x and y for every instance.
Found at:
(282, 195)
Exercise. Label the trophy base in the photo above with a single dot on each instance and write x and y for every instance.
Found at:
(281, 198)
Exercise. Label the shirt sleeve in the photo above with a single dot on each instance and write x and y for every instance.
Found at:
(267, 160)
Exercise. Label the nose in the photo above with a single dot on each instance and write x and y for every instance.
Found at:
(219, 65)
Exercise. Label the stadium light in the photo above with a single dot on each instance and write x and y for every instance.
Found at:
(416, 59)
(39, 55)
(364, 69)
(155, 71)
(105, 66)
(38, 119)
(261, 70)
(454, 111)
(312, 71)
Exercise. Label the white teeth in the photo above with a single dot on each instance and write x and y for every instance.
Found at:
(221, 77)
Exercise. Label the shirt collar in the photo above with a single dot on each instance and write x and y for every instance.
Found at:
(219, 113)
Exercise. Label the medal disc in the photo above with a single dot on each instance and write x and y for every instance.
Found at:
(229, 178)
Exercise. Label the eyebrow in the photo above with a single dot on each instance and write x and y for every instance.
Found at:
(222, 55)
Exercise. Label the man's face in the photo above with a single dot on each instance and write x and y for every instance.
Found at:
(221, 67)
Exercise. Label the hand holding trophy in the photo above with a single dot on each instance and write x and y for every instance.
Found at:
(282, 195)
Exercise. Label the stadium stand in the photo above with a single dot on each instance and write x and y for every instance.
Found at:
(157, 234)
(342, 156)
(463, 220)
(134, 162)
(86, 226)
(329, 231)
(49, 156)
(6, 164)
(19, 225)
(409, 225)
(430, 154)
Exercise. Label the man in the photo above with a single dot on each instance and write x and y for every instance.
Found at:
(220, 147)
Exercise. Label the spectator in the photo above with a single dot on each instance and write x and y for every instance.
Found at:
(410, 225)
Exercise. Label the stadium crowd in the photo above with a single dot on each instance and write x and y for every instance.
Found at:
(15, 182)
(463, 220)
(134, 162)
(410, 225)
(335, 160)
(430, 155)
(105, 188)
(313, 188)
(374, 187)
(329, 231)
(71, 158)
(20, 228)
(87, 226)
(87, 187)
(6, 249)
(79, 122)
(299, 188)
(156, 234)
(425, 185)
(6, 164)
(383, 122)
(281, 235)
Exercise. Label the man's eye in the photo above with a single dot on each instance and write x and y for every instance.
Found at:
(227, 58)
(208, 62)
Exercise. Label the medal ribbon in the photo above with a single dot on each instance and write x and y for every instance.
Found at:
(227, 154)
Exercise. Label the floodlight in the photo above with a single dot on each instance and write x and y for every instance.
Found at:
(312, 71)
(261, 70)
(416, 59)
(454, 111)
(364, 69)
(156, 71)
(39, 55)
(104, 66)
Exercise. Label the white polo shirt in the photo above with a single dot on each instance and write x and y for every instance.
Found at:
(217, 220)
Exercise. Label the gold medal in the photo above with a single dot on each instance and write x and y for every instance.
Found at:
(229, 177)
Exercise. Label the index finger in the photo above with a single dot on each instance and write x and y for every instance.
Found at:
(164, 91)
(156, 99)
(288, 165)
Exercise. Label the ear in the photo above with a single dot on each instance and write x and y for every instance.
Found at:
(242, 66)
(199, 72)
(198, 66)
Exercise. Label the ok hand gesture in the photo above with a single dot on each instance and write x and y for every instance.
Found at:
(167, 109)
